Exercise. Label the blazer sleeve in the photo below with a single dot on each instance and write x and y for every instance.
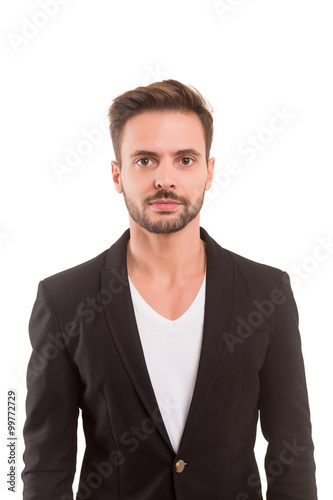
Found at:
(52, 406)
(284, 407)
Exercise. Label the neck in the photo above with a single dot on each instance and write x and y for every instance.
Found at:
(166, 258)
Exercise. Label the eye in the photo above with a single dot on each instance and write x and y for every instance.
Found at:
(187, 159)
(145, 162)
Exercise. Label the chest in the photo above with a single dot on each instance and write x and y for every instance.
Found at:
(170, 302)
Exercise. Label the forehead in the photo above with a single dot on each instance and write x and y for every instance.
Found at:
(162, 130)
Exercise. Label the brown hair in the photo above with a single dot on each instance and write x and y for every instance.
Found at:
(158, 96)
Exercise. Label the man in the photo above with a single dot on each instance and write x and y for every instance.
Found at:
(171, 345)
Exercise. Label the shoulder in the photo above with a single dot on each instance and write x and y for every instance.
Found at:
(256, 276)
(250, 266)
(253, 275)
(76, 283)
(249, 274)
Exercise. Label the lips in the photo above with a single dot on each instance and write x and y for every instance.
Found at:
(165, 205)
(165, 202)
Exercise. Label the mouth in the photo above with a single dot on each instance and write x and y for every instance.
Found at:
(163, 205)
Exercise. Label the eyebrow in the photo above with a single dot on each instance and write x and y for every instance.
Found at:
(143, 152)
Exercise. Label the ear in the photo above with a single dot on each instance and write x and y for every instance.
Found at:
(210, 173)
(116, 176)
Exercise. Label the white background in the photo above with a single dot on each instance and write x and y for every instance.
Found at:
(60, 73)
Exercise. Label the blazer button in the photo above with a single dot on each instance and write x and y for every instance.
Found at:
(180, 466)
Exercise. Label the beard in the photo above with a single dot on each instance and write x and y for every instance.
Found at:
(169, 222)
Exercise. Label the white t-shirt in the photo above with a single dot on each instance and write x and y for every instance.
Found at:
(172, 352)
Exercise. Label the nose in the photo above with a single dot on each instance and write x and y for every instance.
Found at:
(165, 175)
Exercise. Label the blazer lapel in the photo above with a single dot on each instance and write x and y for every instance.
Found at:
(219, 306)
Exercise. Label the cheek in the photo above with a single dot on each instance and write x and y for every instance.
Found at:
(196, 189)
(137, 189)
(131, 184)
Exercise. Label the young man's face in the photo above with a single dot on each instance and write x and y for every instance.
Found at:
(163, 156)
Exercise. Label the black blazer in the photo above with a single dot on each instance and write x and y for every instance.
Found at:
(87, 354)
